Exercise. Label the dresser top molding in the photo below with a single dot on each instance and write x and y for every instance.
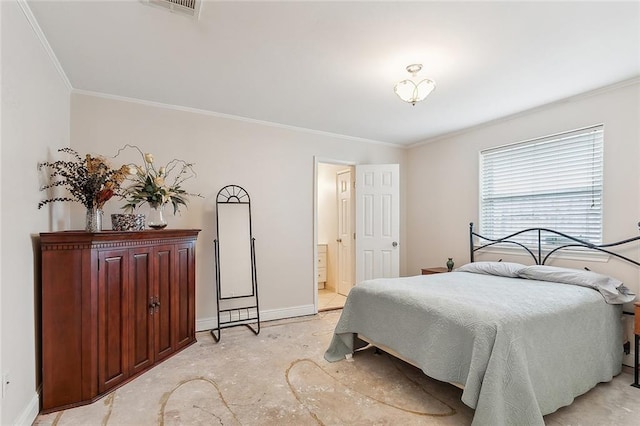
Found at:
(65, 240)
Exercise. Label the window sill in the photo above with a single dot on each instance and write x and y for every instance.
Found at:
(588, 255)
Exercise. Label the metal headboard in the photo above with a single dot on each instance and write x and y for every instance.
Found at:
(538, 258)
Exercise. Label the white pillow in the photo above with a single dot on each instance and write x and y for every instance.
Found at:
(502, 269)
(613, 291)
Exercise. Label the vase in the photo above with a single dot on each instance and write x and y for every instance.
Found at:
(93, 220)
(450, 264)
(156, 218)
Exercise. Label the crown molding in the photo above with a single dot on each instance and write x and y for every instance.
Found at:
(26, 10)
(584, 95)
(232, 117)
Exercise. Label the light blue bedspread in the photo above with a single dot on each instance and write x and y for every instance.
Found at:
(521, 348)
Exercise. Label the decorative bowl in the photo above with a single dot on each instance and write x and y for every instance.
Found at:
(127, 222)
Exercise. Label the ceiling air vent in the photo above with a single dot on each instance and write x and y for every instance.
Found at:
(183, 7)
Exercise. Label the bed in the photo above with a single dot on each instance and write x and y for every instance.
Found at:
(521, 341)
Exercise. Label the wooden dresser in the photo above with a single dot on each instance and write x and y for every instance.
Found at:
(637, 318)
(113, 305)
(434, 270)
(636, 331)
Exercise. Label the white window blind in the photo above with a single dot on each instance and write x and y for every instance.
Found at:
(553, 182)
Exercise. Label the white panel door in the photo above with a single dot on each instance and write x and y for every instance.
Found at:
(344, 182)
(377, 221)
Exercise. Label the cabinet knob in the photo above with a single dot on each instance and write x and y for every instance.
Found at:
(154, 304)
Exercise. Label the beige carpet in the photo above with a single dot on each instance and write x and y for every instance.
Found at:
(281, 378)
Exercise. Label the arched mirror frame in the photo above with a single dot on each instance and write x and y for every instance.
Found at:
(236, 277)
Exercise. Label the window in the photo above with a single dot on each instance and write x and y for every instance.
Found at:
(553, 182)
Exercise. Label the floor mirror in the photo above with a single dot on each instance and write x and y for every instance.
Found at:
(235, 259)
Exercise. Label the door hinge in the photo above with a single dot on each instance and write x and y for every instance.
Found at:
(354, 235)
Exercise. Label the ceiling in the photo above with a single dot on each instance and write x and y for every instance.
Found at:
(331, 66)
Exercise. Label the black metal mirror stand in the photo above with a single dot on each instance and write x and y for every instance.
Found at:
(243, 305)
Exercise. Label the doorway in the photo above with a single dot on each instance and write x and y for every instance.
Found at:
(335, 233)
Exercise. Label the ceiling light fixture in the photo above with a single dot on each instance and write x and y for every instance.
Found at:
(412, 92)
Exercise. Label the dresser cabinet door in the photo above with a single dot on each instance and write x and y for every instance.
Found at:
(143, 301)
(185, 295)
(164, 280)
(113, 334)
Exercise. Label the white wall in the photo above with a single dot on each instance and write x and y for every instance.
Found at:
(274, 164)
(35, 123)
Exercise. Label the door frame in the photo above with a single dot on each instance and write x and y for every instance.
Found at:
(316, 161)
(350, 236)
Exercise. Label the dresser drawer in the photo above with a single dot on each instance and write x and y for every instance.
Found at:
(433, 270)
(322, 263)
(322, 256)
(322, 275)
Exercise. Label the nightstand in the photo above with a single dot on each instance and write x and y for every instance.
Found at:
(636, 356)
(434, 270)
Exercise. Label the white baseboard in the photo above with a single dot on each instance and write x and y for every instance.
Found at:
(30, 412)
(204, 324)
